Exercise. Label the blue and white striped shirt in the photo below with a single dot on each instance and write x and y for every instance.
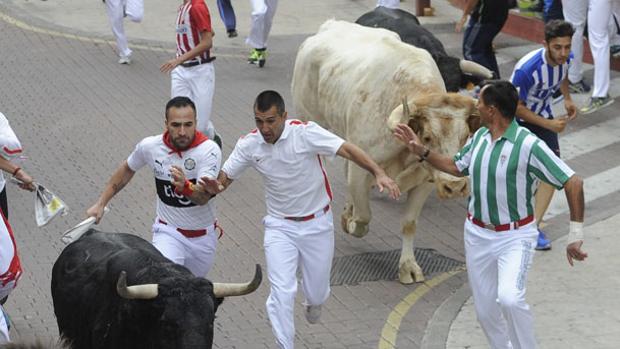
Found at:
(537, 80)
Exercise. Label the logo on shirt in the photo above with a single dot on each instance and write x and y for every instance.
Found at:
(189, 164)
(502, 159)
(167, 195)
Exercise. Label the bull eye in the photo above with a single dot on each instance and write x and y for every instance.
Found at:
(426, 140)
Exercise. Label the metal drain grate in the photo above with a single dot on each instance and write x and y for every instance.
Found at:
(351, 270)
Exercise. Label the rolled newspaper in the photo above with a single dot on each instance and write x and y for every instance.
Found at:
(76, 232)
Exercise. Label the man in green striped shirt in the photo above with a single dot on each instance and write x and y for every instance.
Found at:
(505, 163)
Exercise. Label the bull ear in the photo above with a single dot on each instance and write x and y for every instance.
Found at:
(473, 122)
(221, 290)
(147, 291)
(417, 124)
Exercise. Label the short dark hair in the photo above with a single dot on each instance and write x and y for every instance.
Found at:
(180, 102)
(558, 28)
(502, 95)
(267, 99)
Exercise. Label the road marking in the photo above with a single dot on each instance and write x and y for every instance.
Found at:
(23, 25)
(589, 139)
(392, 324)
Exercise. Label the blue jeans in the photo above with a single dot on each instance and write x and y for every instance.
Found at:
(477, 44)
(227, 13)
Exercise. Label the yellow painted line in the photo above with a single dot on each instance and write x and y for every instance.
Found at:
(392, 324)
(23, 25)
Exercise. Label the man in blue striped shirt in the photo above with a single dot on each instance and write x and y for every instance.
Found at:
(537, 76)
(504, 162)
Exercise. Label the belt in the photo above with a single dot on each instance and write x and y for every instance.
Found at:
(501, 227)
(312, 216)
(190, 233)
(195, 63)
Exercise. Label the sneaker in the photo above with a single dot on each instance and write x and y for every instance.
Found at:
(614, 50)
(232, 33)
(543, 243)
(312, 313)
(124, 60)
(579, 87)
(595, 104)
(258, 57)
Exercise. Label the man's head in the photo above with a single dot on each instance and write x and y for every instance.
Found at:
(497, 98)
(558, 35)
(181, 122)
(269, 115)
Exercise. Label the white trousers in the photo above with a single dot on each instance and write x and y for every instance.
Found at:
(599, 15)
(197, 83)
(288, 245)
(135, 12)
(497, 267)
(262, 17)
(4, 328)
(196, 254)
(389, 3)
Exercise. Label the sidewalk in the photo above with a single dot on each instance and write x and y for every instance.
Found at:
(574, 307)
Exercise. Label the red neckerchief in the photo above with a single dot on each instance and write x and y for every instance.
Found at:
(199, 138)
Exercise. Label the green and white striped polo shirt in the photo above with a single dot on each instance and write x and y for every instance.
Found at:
(504, 173)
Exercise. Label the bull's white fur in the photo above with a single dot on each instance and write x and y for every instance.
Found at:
(352, 80)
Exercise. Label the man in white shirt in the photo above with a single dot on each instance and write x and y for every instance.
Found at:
(185, 227)
(299, 230)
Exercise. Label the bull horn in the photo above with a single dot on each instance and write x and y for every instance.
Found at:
(406, 111)
(221, 290)
(475, 69)
(146, 291)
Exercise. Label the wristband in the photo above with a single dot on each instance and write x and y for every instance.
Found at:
(188, 189)
(424, 155)
(575, 232)
(16, 170)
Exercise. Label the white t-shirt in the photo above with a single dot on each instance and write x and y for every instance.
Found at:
(9, 145)
(296, 183)
(201, 160)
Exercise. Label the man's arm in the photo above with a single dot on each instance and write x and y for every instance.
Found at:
(441, 162)
(117, 182)
(574, 195)
(354, 153)
(469, 6)
(571, 109)
(206, 42)
(18, 173)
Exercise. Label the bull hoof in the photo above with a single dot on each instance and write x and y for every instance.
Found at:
(357, 229)
(410, 272)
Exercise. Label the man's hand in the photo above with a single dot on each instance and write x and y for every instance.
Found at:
(177, 177)
(211, 185)
(406, 135)
(27, 183)
(556, 125)
(573, 251)
(460, 24)
(385, 182)
(169, 66)
(571, 109)
(97, 210)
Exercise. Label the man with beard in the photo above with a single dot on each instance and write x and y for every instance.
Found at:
(502, 159)
(185, 227)
(537, 76)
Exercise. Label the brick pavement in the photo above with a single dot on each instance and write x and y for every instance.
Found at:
(79, 114)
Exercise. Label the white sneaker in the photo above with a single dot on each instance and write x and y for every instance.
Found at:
(312, 313)
(124, 60)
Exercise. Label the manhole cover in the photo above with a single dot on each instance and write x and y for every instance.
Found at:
(351, 270)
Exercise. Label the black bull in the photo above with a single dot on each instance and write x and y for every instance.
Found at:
(169, 307)
(456, 72)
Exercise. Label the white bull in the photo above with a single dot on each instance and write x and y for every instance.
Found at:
(352, 80)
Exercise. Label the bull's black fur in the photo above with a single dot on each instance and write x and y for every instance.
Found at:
(408, 27)
(91, 314)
